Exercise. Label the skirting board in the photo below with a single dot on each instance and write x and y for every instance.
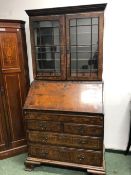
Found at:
(13, 152)
(117, 151)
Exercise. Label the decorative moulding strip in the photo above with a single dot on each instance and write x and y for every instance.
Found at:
(65, 10)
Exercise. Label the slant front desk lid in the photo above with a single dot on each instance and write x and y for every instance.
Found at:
(65, 96)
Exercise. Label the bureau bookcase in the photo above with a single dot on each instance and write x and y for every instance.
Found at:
(64, 107)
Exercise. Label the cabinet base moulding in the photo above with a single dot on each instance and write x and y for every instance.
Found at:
(31, 163)
(13, 152)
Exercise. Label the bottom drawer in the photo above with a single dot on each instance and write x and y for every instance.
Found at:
(63, 154)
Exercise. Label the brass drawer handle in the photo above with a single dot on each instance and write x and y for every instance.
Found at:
(45, 154)
(83, 141)
(81, 130)
(43, 126)
(44, 139)
(81, 157)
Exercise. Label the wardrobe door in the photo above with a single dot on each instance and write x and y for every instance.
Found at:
(11, 71)
(15, 82)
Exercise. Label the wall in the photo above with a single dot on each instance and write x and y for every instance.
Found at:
(117, 60)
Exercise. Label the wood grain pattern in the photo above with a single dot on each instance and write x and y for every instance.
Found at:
(65, 119)
(67, 140)
(86, 75)
(9, 50)
(65, 96)
(83, 129)
(67, 10)
(94, 170)
(3, 136)
(14, 102)
(66, 59)
(71, 117)
(44, 125)
(63, 154)
(14, 85)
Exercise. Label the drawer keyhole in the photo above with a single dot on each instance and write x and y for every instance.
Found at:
(45, 154)
(81, 157)
(83, 142)
(81, 130)
(43, 126)
(44, 140)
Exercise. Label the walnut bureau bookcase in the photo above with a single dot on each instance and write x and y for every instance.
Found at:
(14, 85)
(64, 107)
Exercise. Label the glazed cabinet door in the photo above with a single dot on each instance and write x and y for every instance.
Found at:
(48, 52)
(84, 46)
(13, 84)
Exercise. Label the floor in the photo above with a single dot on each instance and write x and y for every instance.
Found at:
(116, 164)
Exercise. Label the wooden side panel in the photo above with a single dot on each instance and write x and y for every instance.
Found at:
(9, 49)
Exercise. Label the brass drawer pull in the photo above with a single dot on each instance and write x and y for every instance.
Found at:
(45, 154)
(44, 139)
(81, 130)
(43, 126)
(83, 142)
(81, 157)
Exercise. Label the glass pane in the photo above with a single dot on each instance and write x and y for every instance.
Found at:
(84, 48)
(80, 22)
(84, 35)
(73, 22)
(94, 20)
(49, 65)
(73, 36)
(56, 36)
(37, 36)
(95, 34)
(48, 24)
(84, 45)
(46, 36)
(35, 25)
(80, 66)
(47, 45)
(84, 55)
(48, 58)
(45, 24)
(94, 50)
(86, 21)
(83, 66)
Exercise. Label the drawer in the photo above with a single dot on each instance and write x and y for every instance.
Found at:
(67, 140)
(43, 125)
(83, 129)
(63, 154)
(70, 118)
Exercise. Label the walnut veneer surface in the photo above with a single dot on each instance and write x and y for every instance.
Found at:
(65, 96)
(64, 122)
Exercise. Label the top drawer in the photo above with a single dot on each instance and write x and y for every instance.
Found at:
(43, 125)
(71, 118)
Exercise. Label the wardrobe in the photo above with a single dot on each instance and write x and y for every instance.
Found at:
(14, 85)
